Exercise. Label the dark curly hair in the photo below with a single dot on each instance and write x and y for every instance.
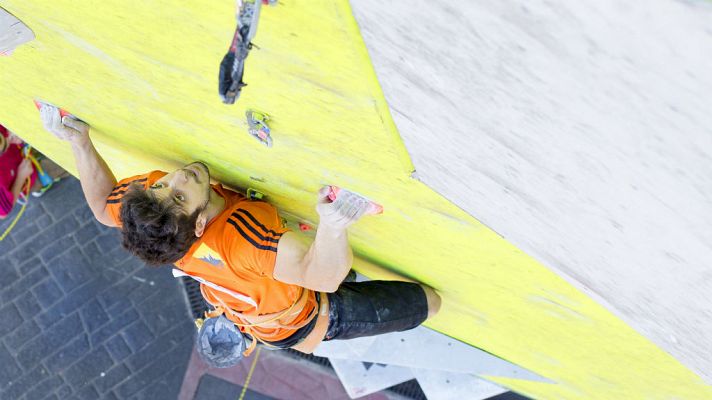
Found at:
(156, 231)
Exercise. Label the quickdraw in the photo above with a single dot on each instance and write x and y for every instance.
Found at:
(257, 126)
(232, 67)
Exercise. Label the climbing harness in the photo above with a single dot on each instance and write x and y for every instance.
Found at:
(239, 296)
(232, 66)
(252, 324)
(269, 321)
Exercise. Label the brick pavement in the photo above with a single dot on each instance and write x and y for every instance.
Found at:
(81, 318)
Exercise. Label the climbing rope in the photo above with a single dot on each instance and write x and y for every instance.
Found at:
(45, 179)
(249, 374)
(19, 214)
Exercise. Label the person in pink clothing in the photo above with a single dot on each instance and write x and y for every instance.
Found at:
(15, 169)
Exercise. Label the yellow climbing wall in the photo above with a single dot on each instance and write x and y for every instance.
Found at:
(144, 75)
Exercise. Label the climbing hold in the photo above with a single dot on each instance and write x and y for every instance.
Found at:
(373, 208)
(258, 128)
(62, 112)
(253, 194)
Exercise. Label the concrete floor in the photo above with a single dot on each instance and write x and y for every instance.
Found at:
(580, 131)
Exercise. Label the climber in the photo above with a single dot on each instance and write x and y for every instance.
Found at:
(275, 287)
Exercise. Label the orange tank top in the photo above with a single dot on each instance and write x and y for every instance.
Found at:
(234, 260)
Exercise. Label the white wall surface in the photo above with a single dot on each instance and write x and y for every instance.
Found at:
(581, 131)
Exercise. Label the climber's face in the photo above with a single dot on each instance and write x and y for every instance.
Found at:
(189, 187)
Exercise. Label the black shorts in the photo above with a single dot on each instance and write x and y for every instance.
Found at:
(359, 309)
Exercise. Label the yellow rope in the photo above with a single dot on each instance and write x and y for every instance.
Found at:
(19, 214)
(249, 374)
(28, 183)
(259, 324)
(224, 308)
(14, 222)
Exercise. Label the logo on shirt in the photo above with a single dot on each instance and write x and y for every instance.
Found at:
(210, 256)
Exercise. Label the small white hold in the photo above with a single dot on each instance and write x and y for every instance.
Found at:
(102, 374)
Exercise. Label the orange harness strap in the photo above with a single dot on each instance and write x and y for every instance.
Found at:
(270, 321)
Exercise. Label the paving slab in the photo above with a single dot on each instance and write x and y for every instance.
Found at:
(214, 388)
(275, 374)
